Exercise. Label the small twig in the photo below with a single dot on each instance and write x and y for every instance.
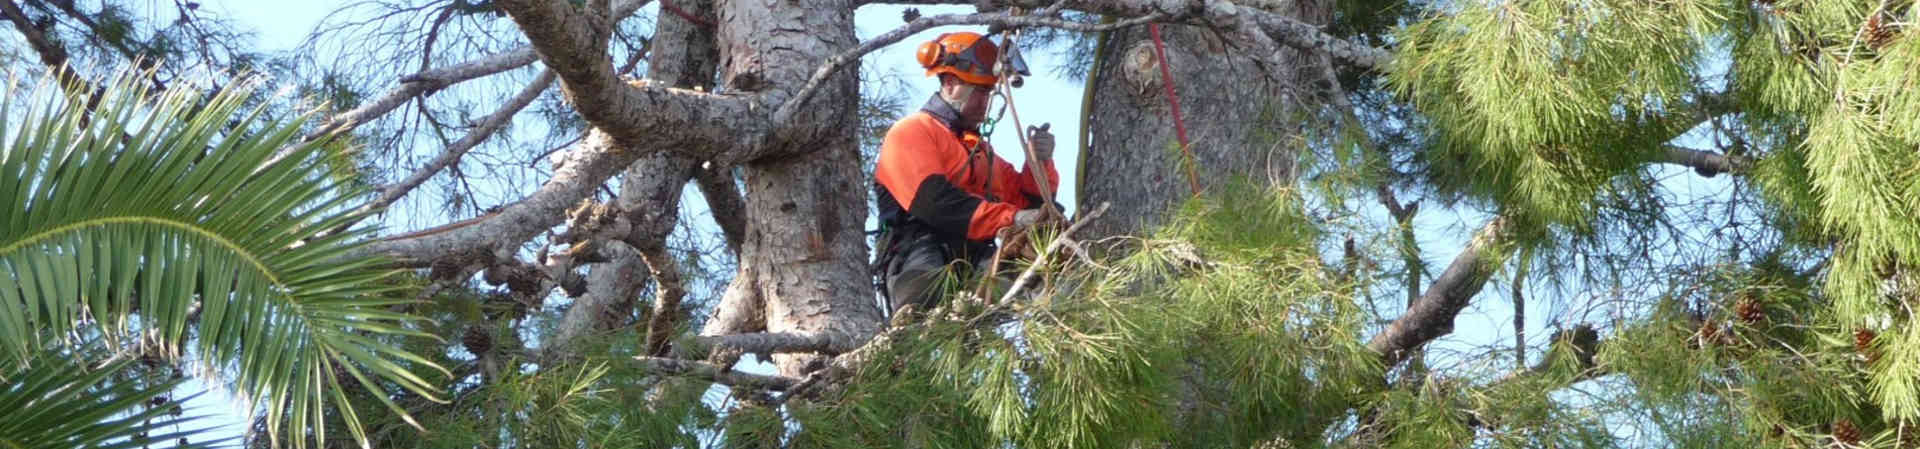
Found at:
(481, 132)
(792, 106)
(1025, 277)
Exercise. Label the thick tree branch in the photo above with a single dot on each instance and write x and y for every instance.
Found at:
(1304, 36)
(573, 43)
(1432, 316)
(1283, 29)
(51, 53)
(612, 289)
(724, 202)
(1705, 163)
(766, 343)
(577, 176)
(481, 132)
(839, 61)
(667, 298)
(647, 210)
(650, 199)
(716, 373)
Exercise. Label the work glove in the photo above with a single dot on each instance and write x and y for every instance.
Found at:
(1026, 218)
(1042, 141)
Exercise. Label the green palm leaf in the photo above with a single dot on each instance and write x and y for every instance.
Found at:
(172, 217)
(59, 402)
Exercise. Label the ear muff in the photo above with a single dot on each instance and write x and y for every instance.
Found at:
(931, 52)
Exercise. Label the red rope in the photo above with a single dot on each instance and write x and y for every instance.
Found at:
(1179, 124)
(664, 4)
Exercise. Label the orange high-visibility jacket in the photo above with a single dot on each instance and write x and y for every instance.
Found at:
(926, 171)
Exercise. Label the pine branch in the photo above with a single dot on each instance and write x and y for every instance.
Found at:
(428, 81)
(1580, 343)
(573, 43)
(765, 343)
(716, 373)
(792, 106)
(588, 165)
(482, 131)
(1705, 163)
(1065, 239)
(51, 53)
(1432, 316)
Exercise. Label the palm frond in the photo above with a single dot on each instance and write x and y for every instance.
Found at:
(60, 401)
(195, 222)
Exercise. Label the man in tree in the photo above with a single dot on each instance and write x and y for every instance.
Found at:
(943, 195)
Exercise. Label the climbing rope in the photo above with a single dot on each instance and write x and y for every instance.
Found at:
(1173, 99)
(697, 20)
(1005, 88)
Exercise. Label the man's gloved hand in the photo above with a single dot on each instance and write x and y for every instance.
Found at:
(1026, 218)
(1042, 141)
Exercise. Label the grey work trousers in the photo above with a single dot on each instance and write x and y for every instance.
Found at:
(921, 274)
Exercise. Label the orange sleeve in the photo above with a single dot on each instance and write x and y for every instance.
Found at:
(908, 155)
(989, 219)
(1030, 184)
(916, 159)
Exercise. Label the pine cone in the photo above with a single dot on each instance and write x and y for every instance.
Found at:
(1750, 311)
(1863, 343)
(477, 340)
(1710, 334)
(1845, 432)
(1880, 33)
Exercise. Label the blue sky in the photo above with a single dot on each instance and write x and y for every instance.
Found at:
(1045, 99)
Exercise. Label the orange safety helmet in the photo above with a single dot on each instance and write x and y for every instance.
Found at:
(965, 55)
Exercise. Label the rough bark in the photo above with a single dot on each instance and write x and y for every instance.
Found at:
(571, 39)
(681, 55)
(1233, 94)
(1234, 109)
(803, 250)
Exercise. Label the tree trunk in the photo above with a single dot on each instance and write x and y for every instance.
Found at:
(1242, 120)
(803, 254)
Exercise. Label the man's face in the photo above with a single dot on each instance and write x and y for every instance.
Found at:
(971, 99)
(975, 107)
